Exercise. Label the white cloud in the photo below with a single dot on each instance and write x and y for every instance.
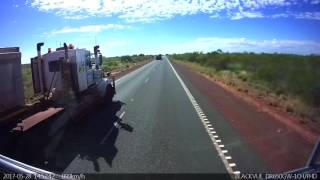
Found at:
(308, 15)
(208, 44)
(315, 2)
(88, 29)
(281, 15)
(151, 10)
(302, 15)
(241, 14)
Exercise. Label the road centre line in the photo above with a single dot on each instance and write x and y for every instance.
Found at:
(146, 81)
(134, 72)
(122, 114)
(110, 131)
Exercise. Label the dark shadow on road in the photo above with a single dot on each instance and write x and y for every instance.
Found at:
(91, 138)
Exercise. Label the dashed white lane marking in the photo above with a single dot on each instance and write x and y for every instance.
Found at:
(122, 114)
(107, 135)
(236, 172)
(216, 142)
(110, 131)
(146, 81)
(134, 72)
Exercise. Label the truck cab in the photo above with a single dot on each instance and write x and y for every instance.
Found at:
(68, 69)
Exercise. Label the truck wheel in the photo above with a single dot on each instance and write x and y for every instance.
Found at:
(109, 94)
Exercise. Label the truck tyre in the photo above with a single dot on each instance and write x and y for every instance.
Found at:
(109, 94)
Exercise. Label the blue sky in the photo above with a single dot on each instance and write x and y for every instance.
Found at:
(125, 27)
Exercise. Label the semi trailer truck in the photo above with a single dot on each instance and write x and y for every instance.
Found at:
(68, 78)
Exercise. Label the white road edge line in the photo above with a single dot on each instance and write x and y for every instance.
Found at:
(195, 104)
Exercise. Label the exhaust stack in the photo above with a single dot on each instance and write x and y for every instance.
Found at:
(96, 51)
(66, 55)
(39, 49)
(40, 67)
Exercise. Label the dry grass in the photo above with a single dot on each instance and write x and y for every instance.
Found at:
(293, 105)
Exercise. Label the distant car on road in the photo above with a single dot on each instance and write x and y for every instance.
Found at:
(159, 57)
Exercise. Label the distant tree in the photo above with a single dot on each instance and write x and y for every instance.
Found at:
(219, 51)
(126, 58)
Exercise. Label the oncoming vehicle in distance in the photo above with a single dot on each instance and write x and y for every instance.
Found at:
(159, 57)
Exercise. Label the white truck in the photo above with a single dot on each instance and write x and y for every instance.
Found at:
(67, 79)
(71, 73)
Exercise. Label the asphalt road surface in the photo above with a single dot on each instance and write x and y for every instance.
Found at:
(167, 135)
(158, 123)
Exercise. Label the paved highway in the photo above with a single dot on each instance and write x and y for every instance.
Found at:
(154, 126)
(167, 135)
(158, 123)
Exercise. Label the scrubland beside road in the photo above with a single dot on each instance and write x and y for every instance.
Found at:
(120, 63)
(286, 82)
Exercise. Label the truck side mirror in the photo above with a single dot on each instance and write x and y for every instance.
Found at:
(100, 60)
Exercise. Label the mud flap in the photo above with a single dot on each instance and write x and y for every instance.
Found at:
(109, 94)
